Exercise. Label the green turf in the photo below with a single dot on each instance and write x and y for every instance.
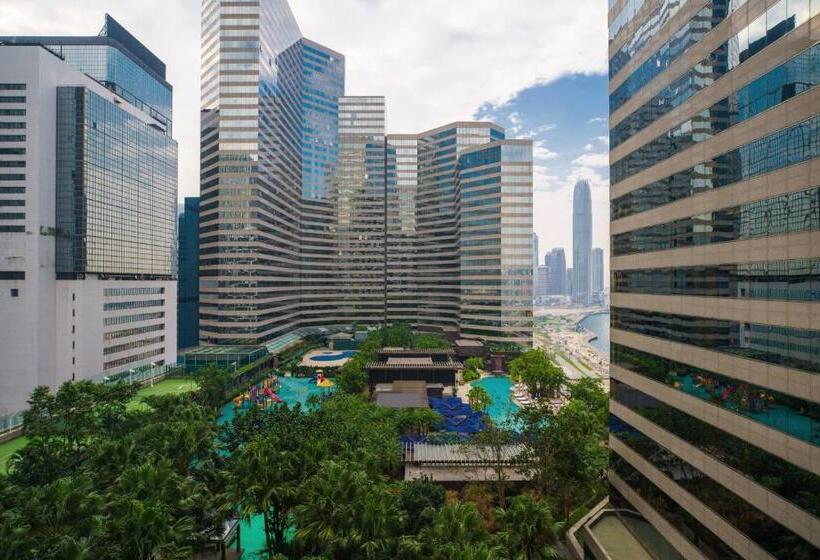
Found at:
(164, 387)
(8, 449)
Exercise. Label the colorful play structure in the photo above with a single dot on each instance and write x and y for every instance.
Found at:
(322, 381)
(263, 394)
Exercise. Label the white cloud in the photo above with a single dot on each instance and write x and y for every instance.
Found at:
(603, 140)
(592, 160)
(436, 63)
(540, 151)
(594, 120)
(589, 148)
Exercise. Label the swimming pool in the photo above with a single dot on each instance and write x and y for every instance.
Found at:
(503, 409)
(291, 391)
(332, 356)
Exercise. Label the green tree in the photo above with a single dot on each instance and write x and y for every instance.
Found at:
(420, 499)
(591, 392)
(214, 385)
(426, 341)
(537, 370)
(480, 399)
(528, 530)
(493, 442)
(265, 480)
(453, 529)
(474, 363)
(347, 514)
(352, 377)
(565, 454)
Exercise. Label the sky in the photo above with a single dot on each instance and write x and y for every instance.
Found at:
(536, 67)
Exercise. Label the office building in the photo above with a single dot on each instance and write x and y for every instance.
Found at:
(715, 205)
(312, 216)
(88, 189)
(597, 271)
(541, 282)
(188, 273)
(556, 263)
(581, 243)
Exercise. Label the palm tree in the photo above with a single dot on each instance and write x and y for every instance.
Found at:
(528, 530)
(264, 481)
(452, 529)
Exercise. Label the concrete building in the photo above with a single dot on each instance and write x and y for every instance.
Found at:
(715, 151)
(312, 216)
(188, 272)
(88, 189)
(541, 283)
(536, 255)
(581, 244)
(557, 275)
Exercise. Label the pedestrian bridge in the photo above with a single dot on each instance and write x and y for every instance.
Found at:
(462, 462)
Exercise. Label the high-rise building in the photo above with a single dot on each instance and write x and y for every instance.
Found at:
(88, 190)
(597, 271)
(312, 216)
(715, 205)
(535, 251)
(557, 275)
(188, 272)
(541, 282)
(581, 243)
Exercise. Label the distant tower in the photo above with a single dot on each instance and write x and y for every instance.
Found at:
(581, 243)
(597, 271)
(557, 277)
(535, 262)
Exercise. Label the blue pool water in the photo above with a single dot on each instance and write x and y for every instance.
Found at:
(503, 409)
(333, 356)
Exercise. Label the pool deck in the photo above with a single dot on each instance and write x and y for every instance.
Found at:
(309, 362)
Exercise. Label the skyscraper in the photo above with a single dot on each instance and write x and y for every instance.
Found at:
(557, 274)
(581, 243)
(715, 205)
(536, 255)
(311, 216)
(597, 271)
(88, 187)
(188, 289)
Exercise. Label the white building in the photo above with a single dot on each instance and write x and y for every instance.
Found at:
(88, 187)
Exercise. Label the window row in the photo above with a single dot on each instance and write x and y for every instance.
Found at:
(783, 148)
(759, 527)
(797, 417)
(788, 213)
(796, 76)
(794, 280)
(785, 346)
(705, 73)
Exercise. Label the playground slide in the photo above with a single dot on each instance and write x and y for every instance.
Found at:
(271, 395)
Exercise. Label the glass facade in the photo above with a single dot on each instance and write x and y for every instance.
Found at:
(494, 194)
(797, 417)
(116, 190)
(794, 280)
(188, 285)
(786, 147)
(788, 213)
(766, 63)
(759, 527)
(309, 214)
(582, 243)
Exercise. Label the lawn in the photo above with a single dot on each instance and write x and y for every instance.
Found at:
(165, 387)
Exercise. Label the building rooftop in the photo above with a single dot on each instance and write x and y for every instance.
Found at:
(402, 400)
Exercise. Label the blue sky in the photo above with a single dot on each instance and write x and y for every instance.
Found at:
(566, 120)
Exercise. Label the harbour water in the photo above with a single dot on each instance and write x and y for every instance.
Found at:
(599, 325)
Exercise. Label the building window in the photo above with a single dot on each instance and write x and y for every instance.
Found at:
(15, 292)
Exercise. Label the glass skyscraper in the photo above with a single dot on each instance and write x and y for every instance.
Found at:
(581, 243)
(311, 216)
(188, 289)
(715, 214)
